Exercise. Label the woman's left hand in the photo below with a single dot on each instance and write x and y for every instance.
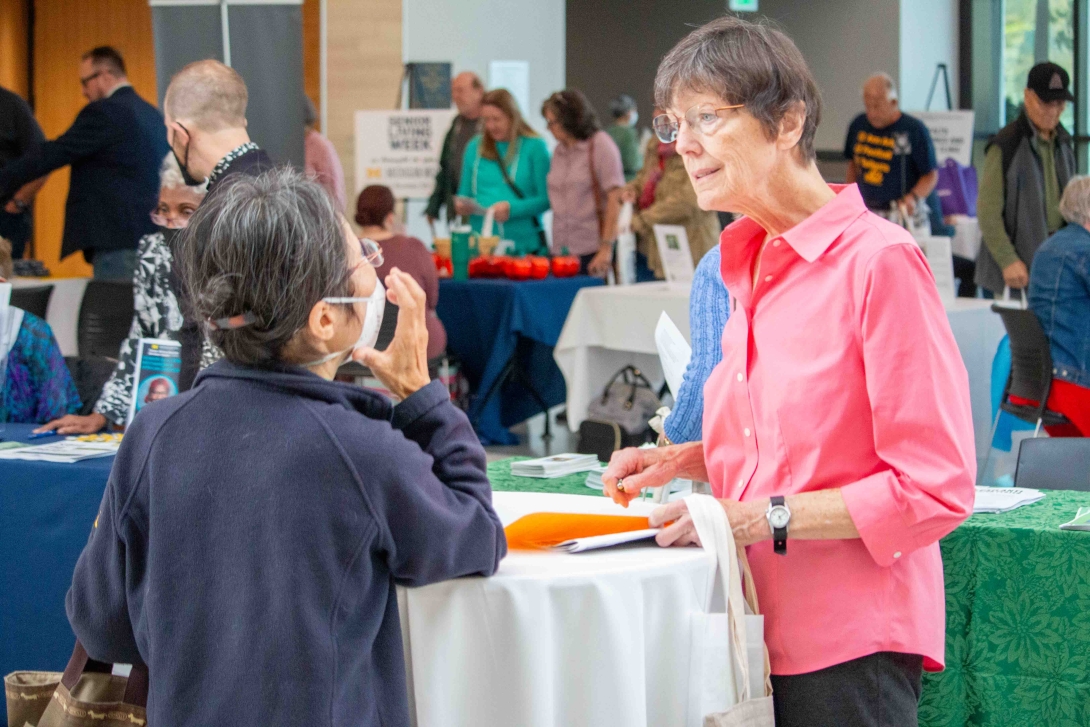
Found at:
(601, 262)
(747, 522)
(502, 211)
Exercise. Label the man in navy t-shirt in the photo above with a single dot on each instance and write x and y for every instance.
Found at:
(890, 154)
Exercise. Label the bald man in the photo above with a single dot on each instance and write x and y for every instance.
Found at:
(467, 91)
(890, 154)
(205, 113)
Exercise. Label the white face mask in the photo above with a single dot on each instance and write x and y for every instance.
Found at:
(372, 321)
(633, 118)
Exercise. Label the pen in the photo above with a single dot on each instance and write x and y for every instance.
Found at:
(39, 435)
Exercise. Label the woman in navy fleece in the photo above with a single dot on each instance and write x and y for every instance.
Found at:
(254, 527)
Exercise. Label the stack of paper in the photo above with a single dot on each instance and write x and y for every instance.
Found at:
(594, 478)
(594, 542)
(1081, 521)
(1004, 499)
(65, 452)
(558, 465)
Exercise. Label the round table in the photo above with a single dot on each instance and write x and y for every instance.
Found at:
(599, 638)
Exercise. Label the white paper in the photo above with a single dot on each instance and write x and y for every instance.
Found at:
(558, 465)
(941, 259)
(1081, 521)
(674, 352)
(677, 260)
(515, 77)
(594, 542)
(1004, 499)
(951, 133)
(68, 451)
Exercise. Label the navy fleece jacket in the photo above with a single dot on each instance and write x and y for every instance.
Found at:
(250, 537)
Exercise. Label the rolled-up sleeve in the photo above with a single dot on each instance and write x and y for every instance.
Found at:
(922, 420)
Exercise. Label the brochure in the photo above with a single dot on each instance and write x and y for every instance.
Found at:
(158, 372)
(1004, 499)
(674, 352)
(677, 260)
(1081, 521)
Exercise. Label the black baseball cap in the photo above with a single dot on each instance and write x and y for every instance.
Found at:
(1049, 81)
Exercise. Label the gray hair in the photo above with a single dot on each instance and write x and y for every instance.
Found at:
(208, 94)
(268, 248)
(887, 83)
(621, 105)
(749, 63)
(170, 176)
(1075, 204)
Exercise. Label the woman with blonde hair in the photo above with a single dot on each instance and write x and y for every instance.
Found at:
(505, 169)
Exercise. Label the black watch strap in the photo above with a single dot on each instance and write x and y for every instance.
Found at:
(779, 535)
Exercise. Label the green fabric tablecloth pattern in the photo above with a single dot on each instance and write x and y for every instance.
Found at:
(1017, 613)
(1017, 621)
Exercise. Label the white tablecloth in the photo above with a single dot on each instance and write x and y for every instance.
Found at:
(609, 327)
(598, 639)
(62, 315)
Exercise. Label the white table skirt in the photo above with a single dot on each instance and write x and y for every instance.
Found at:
(62, 315)
(598, 639)
(609, 327)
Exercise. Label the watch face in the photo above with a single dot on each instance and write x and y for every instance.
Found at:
(779, 517)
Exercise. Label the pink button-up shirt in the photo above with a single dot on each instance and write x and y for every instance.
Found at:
(839, 370)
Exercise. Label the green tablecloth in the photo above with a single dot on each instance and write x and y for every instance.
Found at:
(1017, 614)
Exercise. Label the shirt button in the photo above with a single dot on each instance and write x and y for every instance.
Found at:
(741, 482)
(775, 243)
(768, 278)
(897, 554)
(739, 377)
(746, 431)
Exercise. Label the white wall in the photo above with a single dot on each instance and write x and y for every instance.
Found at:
(844, 41)
(471, 33)
(929, 36)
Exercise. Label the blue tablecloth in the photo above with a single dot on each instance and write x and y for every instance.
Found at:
(46, 514)
(487, 322)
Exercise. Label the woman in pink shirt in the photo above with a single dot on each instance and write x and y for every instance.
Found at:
(837, 428)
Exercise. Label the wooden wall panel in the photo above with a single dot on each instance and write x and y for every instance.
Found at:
(363, 50)
(14, 46)
(312, 53)
(63, 31)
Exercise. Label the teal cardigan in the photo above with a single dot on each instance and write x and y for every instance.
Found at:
(483, 181)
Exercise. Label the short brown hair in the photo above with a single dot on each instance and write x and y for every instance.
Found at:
(209, 94)
(573, 112)
(106, 58)
(373, 205)
(502, 99)
(744, 63)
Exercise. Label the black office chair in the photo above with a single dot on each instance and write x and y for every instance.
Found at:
(90, 375)
(1054, 463)
(105, 316)
(33, 300)
(1031, 369)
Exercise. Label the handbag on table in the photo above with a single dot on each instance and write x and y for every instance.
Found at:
(730, 681)
(87, 694)
(619, 417)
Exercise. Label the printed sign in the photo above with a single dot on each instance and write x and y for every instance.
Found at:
(400, 149)
(158, 372)
(952, 134)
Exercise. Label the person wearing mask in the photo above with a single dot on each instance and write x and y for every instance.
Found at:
(467, 91)
(156, 310)
(585, 182)
(709, 309)
(253, 529)
(377, 221)
(205, 114)
(1059, 293)
(1026, 167)
(663, 195)
(36, 384)
(506, 168)
(320, 158)
(838, 432)
(19, 134)
(114, 148)
(624, 134)
(890, 155)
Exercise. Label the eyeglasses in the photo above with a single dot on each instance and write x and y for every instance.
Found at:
(93, 76)
(704, 120)
(372, 253)
(162, 220)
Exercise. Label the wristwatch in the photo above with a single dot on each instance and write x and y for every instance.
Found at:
(778, 516)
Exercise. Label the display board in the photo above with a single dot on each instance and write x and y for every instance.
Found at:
(951, 133)
(401, 149)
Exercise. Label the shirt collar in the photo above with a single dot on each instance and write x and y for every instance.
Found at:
(810, 238)
(221, 166)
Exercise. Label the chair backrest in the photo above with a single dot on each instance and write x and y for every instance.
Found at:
(105, 317)
(33, 300)
(89, 375)
(389, 325)
(1054, 463)
(1031, 360)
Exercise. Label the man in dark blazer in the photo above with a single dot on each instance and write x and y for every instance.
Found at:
(115, 147)
(19, 133)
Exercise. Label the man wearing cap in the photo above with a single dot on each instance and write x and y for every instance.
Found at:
(1026, 167)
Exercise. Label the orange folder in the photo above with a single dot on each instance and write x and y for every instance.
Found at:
(541, 530)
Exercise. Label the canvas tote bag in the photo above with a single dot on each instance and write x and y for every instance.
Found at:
(87, 694)
(729, 676)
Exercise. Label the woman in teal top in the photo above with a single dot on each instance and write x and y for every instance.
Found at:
(519, 203)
